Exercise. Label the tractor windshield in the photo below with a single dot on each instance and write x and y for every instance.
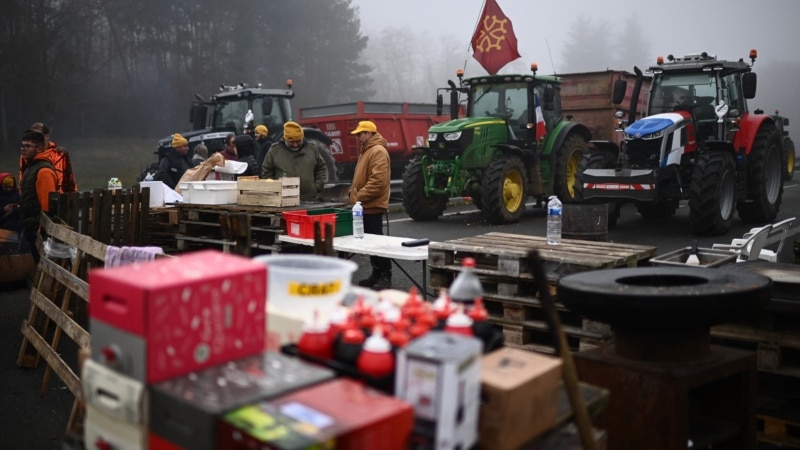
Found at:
(506, 101)
(267, 111)
(674, 91)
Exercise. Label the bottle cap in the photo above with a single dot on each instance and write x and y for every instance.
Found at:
(376, 343)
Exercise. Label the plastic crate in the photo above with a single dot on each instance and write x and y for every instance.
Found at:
(300, 224)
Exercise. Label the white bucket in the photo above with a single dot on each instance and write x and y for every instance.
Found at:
(299, 284)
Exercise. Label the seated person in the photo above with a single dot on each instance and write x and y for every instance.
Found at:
(9, 203)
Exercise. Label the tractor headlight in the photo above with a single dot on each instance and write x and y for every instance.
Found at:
(432, 136)
(656, 135)
(452, 136)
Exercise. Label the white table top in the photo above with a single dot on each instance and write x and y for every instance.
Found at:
(370, 244)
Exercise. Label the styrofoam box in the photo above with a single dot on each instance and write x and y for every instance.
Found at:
(210, 192)
(156, 192)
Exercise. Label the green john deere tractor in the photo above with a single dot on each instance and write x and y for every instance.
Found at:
(497, 154)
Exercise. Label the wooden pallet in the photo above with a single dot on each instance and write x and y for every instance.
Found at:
(506, 255)
(776, 349)
(776, 431)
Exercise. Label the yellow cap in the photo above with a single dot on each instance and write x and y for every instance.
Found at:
(179, 141)
(292, 131)
(262, 129)
(365, 125)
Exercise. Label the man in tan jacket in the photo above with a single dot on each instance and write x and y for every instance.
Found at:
(371, 188)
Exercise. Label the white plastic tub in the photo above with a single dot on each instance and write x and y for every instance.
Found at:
(297, 285)
(209, 192)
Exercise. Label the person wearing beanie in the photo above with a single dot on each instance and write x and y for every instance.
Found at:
(175, 162)
(39, 181)
(9, 203)
(59, 157)
(294, 156)
(263, 142)
(371, 187)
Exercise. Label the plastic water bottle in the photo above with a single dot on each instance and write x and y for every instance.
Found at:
(358, 221)
(554, 212)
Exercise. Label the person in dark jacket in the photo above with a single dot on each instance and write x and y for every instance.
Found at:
(263, 142)
(172, 166)
(245, 147)
(9, 203)
(294, 156)
(39, 181)
(200, 154)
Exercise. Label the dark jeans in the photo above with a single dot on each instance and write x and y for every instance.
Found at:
(373, 224)
(30, 237)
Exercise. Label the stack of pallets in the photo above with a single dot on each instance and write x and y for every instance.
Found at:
(511, 296)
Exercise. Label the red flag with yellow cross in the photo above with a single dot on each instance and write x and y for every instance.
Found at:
(494, 44)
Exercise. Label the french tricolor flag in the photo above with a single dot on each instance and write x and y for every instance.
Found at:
(541, 130)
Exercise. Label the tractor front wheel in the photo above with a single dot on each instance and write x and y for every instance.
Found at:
(504, 189)
(788, 149)
(419, 206)
(712, 195)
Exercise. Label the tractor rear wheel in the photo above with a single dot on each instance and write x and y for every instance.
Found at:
(504, 189)
(712, 193)
(419, 206)
(569, 159)
(765, 175)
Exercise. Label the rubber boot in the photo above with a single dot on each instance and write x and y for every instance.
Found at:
(384, 281)
(370, 282)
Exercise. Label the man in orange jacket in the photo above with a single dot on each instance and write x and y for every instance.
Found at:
(59, 157)
(39, 181)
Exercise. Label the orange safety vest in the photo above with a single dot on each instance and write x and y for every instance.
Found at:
(59, 157)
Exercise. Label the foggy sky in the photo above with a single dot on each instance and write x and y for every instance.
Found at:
(727, 28)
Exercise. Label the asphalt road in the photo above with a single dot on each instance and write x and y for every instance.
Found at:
(30, 421)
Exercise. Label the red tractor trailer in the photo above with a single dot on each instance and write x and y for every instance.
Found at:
(403, 125)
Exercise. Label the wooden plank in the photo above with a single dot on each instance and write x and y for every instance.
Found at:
(52, 358)
(79, 335)
(63, 234)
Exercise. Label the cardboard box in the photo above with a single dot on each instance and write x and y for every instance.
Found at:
(439, 375)
(519, 397)
(209, 192)
(259, 192)
(104, 431)
(342, 414)
(190, 312)
(185, 410)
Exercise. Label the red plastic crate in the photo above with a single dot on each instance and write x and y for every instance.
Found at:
(301, 225)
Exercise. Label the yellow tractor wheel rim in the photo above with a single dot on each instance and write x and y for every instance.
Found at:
(513, 191)
(572, 168)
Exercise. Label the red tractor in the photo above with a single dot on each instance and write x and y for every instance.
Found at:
(697, 142)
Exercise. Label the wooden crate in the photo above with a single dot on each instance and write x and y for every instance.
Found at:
(775, 349)
(257, 192)
(777, 431)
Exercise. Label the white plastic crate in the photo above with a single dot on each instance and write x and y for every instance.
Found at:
(209, 192)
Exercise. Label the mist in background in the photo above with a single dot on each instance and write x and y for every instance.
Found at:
(131, 69)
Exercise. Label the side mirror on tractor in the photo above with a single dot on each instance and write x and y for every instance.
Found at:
(749, 85)
(197, 116)
(439, 104)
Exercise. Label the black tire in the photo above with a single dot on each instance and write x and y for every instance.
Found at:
(765, 174)
(712, 193)
(788, 150)
(504, 190)
(568, 161)
(657, 211)
(418, 206)
(477, 201)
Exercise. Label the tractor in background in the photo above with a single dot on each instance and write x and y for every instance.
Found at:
(500, 153)
(697, 142)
